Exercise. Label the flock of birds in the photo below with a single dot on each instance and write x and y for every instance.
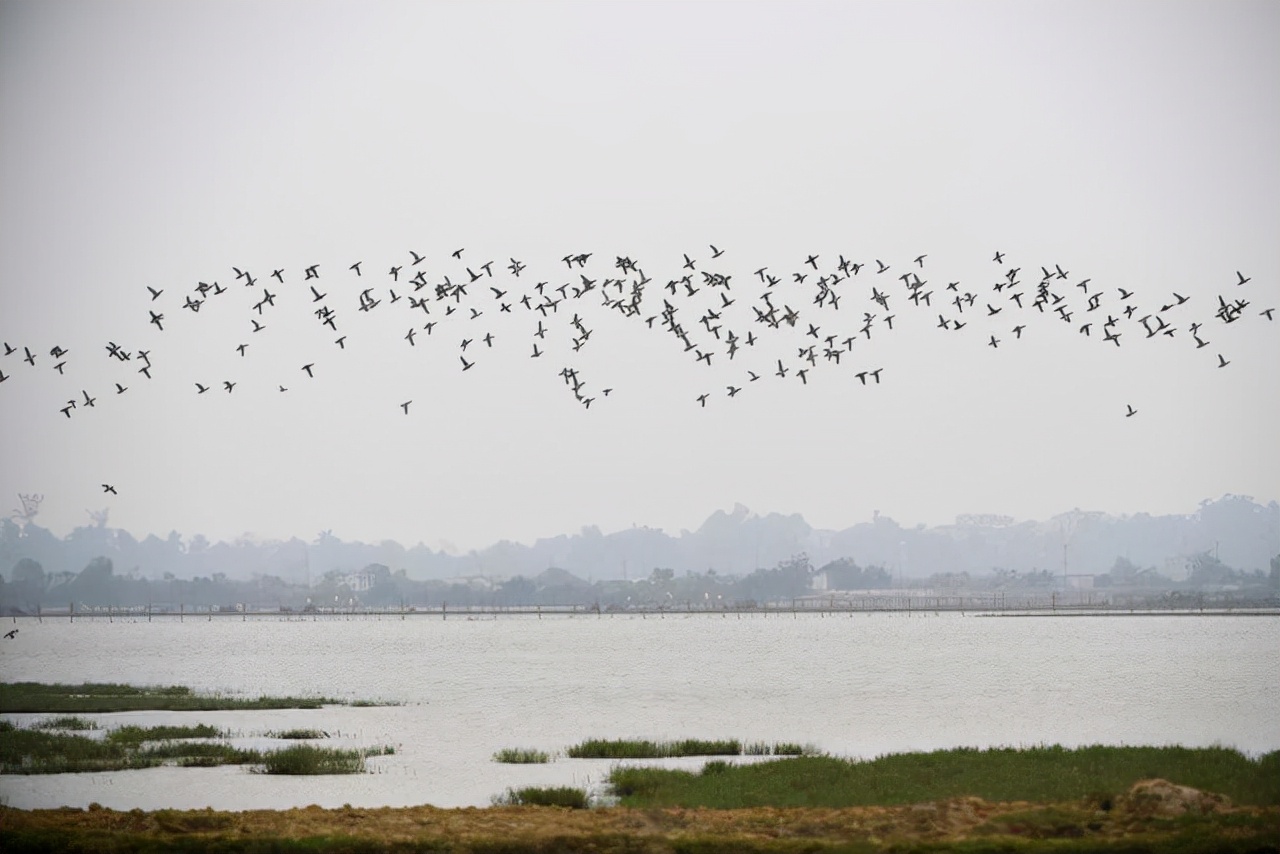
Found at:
(775, 324)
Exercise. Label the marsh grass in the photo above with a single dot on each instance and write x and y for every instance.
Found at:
(66, 722)
(544, 796)
(32, 751)
(1041, 774)
(779, 748)
(35, 751)
(521, 756)
(304, 759)
(298, 734)
(598, 748)
(92, 697)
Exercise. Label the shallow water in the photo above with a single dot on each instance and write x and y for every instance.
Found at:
(859, 685)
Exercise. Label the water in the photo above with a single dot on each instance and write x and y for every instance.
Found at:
(858, 686)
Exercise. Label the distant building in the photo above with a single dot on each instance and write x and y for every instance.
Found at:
(1177, 568)
(358, 582)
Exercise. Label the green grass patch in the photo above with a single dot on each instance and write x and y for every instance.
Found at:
(32, 751)
(521, 756)
(298, 734)
(544, 796)
(599, 748)
(66, 722)
(778, 748)
(305, 759)
(92, 697)
(1042, 774)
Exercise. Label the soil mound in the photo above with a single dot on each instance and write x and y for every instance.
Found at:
(1160, 797)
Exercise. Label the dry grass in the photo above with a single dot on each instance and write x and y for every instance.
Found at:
(957, 824)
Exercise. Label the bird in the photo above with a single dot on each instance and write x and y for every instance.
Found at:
(307, 367)
(1131, 411)
(106, 487)
(11, 634)
(1242, 278)
(155, 293)
(405, 406)
(1222, 363)
(201, 389)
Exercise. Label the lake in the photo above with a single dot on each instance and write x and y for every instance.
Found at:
(856, 685)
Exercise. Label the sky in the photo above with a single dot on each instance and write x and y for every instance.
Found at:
(1116, 148)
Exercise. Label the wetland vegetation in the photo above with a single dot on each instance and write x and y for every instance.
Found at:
(1038, 774)
(974, 801)
(600, 748)
(94, 697)
(521, 756)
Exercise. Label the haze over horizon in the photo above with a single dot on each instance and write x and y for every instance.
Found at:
(159, 146)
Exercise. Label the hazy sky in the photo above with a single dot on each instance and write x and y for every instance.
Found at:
(162, 144)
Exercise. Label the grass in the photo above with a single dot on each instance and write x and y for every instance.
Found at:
(521, 756)
(35, 751)
(598, 748)
(67, 722)
(93, 697)
(544, 796)
(1043, 775)
(1006, 829)
(298, 734)
(780, 748)
(304, 759)
(31, 751)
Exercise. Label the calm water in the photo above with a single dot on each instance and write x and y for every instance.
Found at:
(857, 686)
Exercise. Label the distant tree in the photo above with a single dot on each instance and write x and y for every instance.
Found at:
(1207, 569)
(517, 591)
(95, 585)
(845, 574)
(28, 585)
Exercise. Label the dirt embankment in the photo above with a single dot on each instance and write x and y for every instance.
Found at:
(1152, 812)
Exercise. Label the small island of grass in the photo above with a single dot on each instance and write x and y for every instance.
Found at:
(95, 697)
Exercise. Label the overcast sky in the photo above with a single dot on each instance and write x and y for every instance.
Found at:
(160, 145)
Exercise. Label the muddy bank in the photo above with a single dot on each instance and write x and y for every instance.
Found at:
(1152, 816)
